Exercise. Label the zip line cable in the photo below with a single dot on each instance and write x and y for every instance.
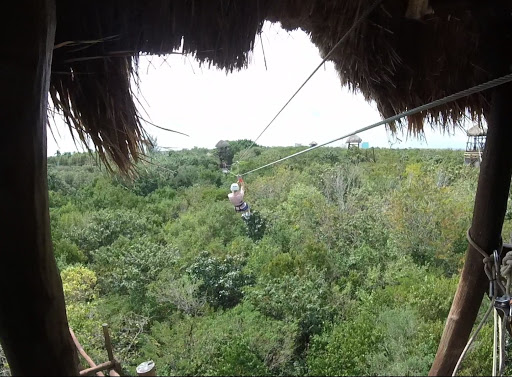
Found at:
(478, 88)
(356, 23)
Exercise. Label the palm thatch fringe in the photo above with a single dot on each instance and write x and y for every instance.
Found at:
(398, 62)
(95, 57)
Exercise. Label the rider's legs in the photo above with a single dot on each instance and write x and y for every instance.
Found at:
(245, 209)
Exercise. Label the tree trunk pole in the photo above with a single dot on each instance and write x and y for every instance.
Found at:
(488, 216)
(33, 325)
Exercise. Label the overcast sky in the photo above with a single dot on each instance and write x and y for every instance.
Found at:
(209, 105)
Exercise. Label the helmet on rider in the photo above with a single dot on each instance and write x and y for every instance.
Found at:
(235, 187)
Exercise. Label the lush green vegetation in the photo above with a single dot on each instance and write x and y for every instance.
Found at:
(347, 268)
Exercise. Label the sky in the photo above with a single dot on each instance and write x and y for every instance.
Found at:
(210, 105)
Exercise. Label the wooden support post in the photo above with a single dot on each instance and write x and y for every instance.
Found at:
(488, 216)
(33, 324)
(108, 345)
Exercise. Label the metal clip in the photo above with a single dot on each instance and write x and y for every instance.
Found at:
(497, 262)
(502, 304)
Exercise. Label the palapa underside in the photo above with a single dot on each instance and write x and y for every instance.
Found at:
(398, 62)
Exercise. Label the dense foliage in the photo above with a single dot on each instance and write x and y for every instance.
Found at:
(348, 266)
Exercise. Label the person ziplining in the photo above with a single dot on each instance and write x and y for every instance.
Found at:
(236, 197)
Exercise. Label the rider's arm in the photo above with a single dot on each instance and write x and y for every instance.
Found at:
(242, 185)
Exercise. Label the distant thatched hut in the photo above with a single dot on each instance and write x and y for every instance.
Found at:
(84, 53)
(475, 145)
(353, 141)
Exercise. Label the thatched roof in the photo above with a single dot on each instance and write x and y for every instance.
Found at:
(354, 139)
(398, 62)
(96, 47)
(476, 131)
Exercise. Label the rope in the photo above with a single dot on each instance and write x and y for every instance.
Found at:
(491, 267)
(489, 261)
(493, 262)
(506, 271)
(470, 342)
(495, 343)
(356, 23)
(478, 88)
(498, 363)
(502, 346)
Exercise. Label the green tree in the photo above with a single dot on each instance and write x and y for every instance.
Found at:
(345, 350)
(222, 279)
(127, 267)
(298, 299)
(239, 341)
(255, 226)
